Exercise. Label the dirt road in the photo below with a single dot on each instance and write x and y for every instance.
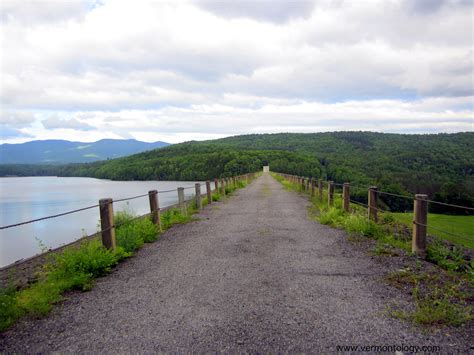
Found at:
(253, 274)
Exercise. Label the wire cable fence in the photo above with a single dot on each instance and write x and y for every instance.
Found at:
(85, 208)
(393, 207)
(49, 217)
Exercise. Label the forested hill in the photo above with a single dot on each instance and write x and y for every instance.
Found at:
(438, 164)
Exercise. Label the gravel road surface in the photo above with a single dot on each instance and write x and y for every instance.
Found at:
(253, 274)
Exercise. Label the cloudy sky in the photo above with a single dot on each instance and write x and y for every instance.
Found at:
(182, 70)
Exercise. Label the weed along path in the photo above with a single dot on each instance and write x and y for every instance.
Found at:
(253, 273)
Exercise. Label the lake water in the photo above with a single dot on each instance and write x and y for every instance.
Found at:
(27, 198)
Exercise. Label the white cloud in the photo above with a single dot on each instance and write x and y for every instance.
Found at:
(216, 68)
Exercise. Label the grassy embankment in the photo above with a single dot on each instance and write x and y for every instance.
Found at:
(77, 267)
(458, 227)
(441, 295)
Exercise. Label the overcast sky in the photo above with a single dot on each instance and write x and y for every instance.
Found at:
(182, 70)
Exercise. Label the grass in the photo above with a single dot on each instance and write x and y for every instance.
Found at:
(460, 225)
(439, 299)
(76, 267)
(73, 269)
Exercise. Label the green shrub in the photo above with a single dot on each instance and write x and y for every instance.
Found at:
(216, 196)
(9, 310)
(91, 258)
(437, 307)
(132, 233)
(446, 257)
(173, 216)
(241, 184)
(332, 216)
(128, 238)
(360, 224)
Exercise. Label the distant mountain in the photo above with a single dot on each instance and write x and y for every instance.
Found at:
(63, 152)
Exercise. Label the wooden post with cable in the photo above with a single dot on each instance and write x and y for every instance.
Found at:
(320, 189)
(420, 222)
(197, 197)
(373, 203)
(330, 193)
(346, 196)
(208, 191)
(154, 208)
(181, 202)
(107, 223)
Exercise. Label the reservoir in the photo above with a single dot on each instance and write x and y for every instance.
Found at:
(27, 198)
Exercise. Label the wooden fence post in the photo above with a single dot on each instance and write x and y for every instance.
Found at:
(197, 186)
(209, 193)
(107, 223)
(320, 189)
(216, 186)
(154, 208)
(312, 187)
(420, 221)
(373, 203)
(182, 204)
(346, 196)
(307, 184)
(330, 193)
(302, 184)
(223, 187)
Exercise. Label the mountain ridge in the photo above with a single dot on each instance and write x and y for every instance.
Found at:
(59, 151)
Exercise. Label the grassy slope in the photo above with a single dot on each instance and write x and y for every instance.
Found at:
(460, 225)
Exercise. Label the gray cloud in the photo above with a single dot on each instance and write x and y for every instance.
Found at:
(428, 7)
(277, 11)
(55, 122)
(33, 12)
(18, 119)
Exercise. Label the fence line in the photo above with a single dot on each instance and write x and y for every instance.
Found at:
(450, 205)
(396, 195)
(49, 217)
(130, 198)
(420, 203)
(107, 227)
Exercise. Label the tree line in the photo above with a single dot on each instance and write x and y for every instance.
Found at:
(440, 165)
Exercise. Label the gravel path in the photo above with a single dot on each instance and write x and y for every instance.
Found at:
(253, 274)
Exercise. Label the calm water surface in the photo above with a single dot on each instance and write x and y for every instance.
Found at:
(26, 198)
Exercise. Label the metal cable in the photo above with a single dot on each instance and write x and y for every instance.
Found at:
(450, 205)
(396, 195)
(443, 231)
(359, 203)
(48, 217)
(166, 191)
(130, 198)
